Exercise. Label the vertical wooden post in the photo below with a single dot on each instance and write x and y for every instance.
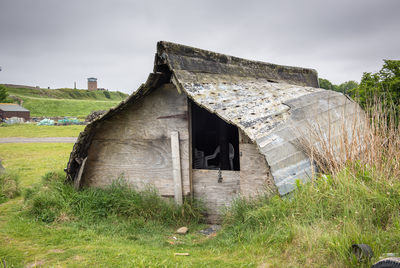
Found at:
(191, 142)
(176, 167)
(77, 182)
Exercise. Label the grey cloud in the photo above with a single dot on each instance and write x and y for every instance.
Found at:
(54, 43)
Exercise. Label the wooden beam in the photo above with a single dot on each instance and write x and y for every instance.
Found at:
(77, 181)
(190, 148)
(176, 167)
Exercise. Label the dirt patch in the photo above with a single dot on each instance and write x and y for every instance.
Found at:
(64, 217)
(56, 250)
(78, 258)
(35, 264)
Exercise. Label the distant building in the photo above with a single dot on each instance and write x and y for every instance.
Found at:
(8, 110)
(92, 83)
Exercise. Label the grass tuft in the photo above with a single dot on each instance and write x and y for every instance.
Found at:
(369, 143)
(9, 186)
(354, 199)
(321, 220)
(55, 200)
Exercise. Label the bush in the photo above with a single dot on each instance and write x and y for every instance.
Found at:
(385, 84)
(3, 93)
(9, 186)
(107, 94)
(54, 199)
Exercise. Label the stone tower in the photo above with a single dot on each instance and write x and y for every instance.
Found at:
(92, 83)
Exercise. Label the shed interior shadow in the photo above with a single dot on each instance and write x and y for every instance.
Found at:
(215, 143)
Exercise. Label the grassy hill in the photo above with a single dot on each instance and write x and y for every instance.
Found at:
(64, 101)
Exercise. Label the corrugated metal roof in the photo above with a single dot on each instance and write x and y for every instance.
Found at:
(11, 107)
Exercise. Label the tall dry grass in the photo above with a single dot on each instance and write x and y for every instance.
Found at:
(355, 201)
(368, 141)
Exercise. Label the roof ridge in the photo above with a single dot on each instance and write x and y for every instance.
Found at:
(196, 60)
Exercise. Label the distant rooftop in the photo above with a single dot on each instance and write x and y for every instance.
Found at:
(11, 107)
(92, 79)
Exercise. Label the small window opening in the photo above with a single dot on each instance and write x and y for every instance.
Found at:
(215, 143)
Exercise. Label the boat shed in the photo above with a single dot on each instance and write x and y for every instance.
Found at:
(211, 126)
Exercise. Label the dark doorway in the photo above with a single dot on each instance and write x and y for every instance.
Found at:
(215, 143)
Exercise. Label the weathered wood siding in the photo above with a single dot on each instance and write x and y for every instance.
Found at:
(215, 195)
(255, 176)
(136, 144)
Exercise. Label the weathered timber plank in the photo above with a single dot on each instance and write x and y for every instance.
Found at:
(243, 138)
(137, 144)
(139, 162)
(103, 176)
(255, 176)
(153, 117)
(215, 195)
(190, 149)
(176, 167)
(77, 181)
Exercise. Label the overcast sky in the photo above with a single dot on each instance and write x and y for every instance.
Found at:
(57, 42)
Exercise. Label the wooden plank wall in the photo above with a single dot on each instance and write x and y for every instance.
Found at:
(136, 144)
(215, 195)
(176, 167)
(255, 176)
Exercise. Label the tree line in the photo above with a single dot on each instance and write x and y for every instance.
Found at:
(383, 85)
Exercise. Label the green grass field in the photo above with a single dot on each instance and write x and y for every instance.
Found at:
(31, 160)
(34, 131)
(64, 107)
(67, 93)
(65, 102)
(313, 228)
(108, 243)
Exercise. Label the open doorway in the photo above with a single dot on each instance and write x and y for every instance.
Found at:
(215, 143)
